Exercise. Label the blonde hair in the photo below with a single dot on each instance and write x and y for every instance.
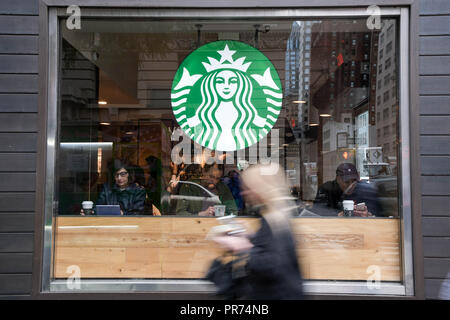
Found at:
(270, 185)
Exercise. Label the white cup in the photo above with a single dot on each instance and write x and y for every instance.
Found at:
(219, 210)
(349, 206)
(87, 207)
(87, 204)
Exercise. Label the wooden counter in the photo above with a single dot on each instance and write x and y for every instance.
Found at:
(175, 247)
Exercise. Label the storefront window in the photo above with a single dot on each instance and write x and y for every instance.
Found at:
(124, 157)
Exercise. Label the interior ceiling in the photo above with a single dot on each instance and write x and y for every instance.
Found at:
(83, 40)
(165, 26)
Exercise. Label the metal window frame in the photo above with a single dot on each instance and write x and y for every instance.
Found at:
(50, 88)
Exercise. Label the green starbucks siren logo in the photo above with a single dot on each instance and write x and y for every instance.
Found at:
(226, 95)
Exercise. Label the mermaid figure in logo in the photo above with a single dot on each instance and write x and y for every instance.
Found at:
(226, 118)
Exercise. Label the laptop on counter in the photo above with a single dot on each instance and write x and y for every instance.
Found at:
(107, 210)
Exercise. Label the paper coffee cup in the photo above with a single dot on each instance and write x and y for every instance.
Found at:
(219, 210)
(348, 205)
(87, 205)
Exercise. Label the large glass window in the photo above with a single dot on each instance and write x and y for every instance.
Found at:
(131, 185)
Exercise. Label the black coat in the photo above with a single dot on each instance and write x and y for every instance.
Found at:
(330, 196)
(272, 267)
(131, 200)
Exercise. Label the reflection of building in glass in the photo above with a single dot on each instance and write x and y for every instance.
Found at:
(342, 81)
(297, 87)
(362, 142)
(386, 100)
(336, 135)
(298, 70)
(298, 57)
(78, 163)
(293, 59)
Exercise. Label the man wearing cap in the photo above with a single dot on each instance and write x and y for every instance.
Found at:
(347, 186)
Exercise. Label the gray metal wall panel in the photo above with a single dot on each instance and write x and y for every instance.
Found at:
(434, 7)
(434, 26)
(17, 182)
(436, 206)
(436, 185)
(436, 267)
(17, 202)
(19, 64)
(435, 125)
(18, 102)
(434, 145)
(434, 85)
(16, 222)
(17, 162)
(21, 7)
(435, 45)
(12, 284)
(436, 226)
(16, 262)
(16, 242)
(434, 89)
(436, 247)
(18, 83)
(435, 165)
(19, 48)
(18, 122)
(20, 25)
(434, 65)
(18, 142)
(435, 105)
(18, 44)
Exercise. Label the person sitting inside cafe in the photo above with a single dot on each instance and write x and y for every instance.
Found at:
(347, 186)
(122, 191)
(211, 181)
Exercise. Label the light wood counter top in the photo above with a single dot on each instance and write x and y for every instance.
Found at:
(175, 247)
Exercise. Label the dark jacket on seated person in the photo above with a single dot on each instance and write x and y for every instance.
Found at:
(331, 194)
(131, 199)
(366, 192)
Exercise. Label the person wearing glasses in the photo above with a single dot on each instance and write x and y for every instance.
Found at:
(123, 191)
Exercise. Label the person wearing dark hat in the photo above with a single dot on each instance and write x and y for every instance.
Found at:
(347, 186)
